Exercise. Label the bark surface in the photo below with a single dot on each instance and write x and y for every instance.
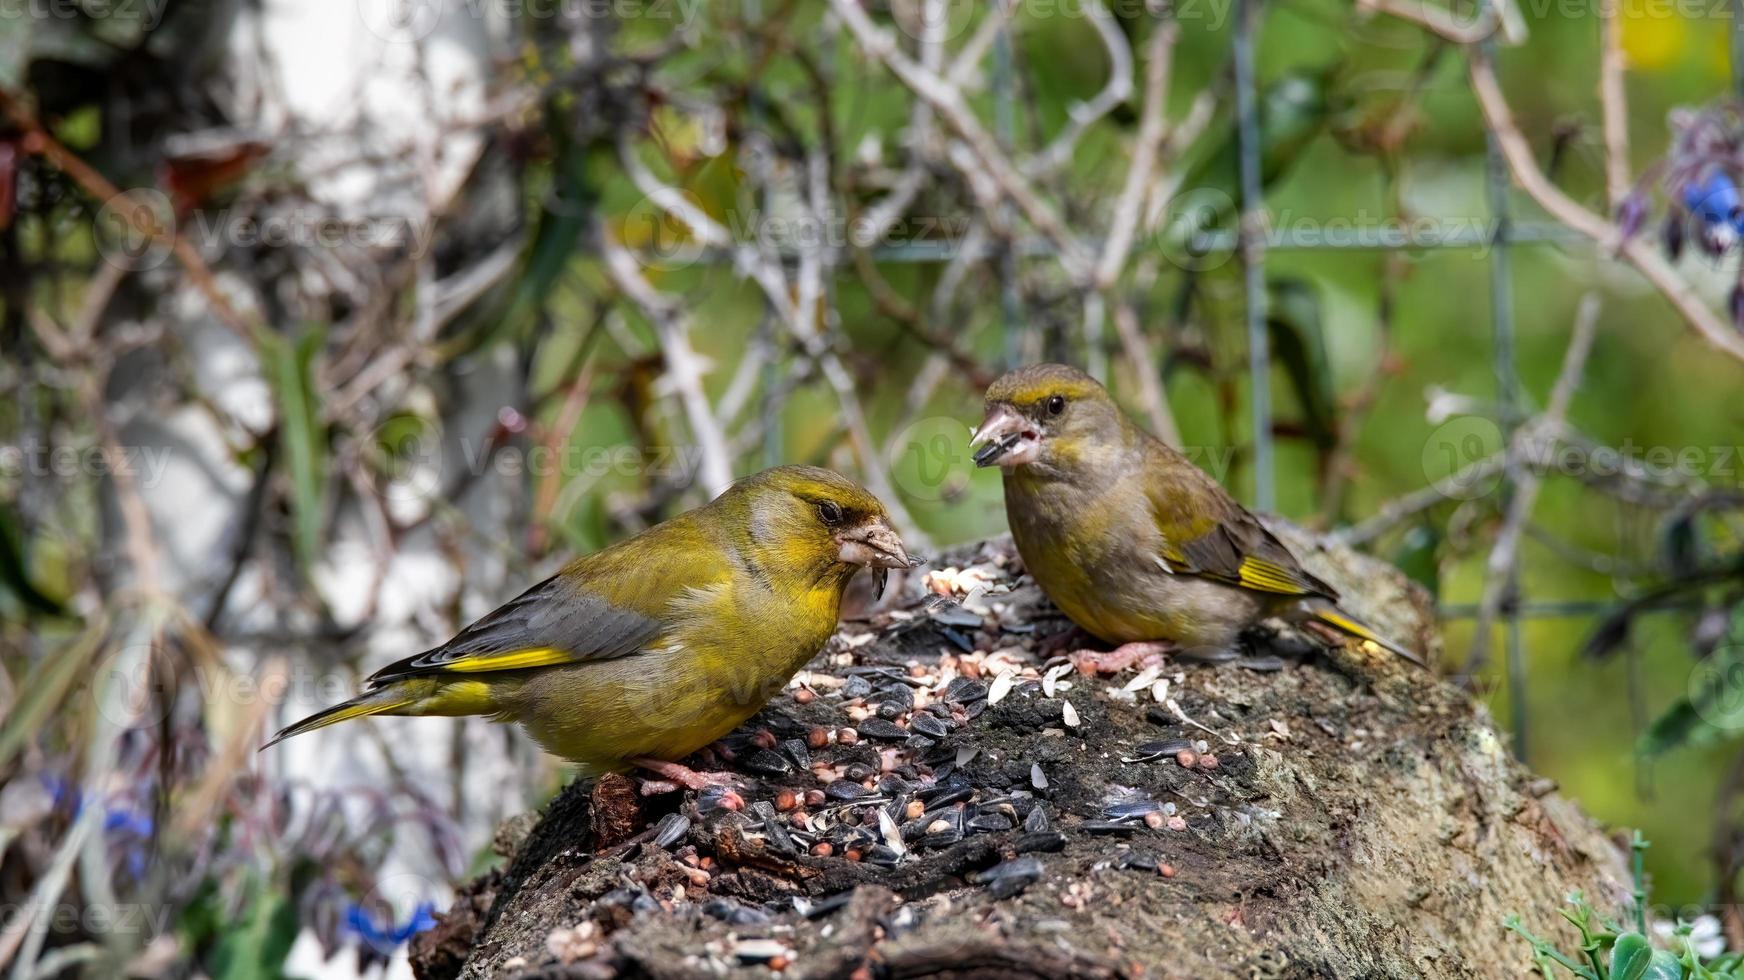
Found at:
(1361, 818)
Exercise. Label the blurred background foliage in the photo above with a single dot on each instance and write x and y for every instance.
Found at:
(384, 384)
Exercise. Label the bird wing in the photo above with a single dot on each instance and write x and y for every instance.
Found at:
(607, 605)
(1206, 533)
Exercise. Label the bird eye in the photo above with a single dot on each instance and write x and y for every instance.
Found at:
(1056, 404)
(831, 512)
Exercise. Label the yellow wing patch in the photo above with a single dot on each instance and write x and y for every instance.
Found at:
(509, 660)
(1257, 573)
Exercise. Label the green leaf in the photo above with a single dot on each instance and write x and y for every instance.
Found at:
(45, 689)
(1663, 966)
(258, 949)
(1711, 712)
(302, 435)
(1630, 956)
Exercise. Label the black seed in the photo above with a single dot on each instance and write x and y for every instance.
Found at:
(734, 914)
(1106, 827)
(671, 830)
(894, 809)
(938, 797)
(963, 690)
(899, 694)
(892, 785)
(796, 751)
(844, 790)
(990, 823)
(1049, 841)
(859, 772)
(779, 839)
(943, 838)
(766, 763)
(928, 724)
(918, 742)
(958, 638)
(952, 614)
(890, 710)
(1167, 748)
(882, 854)
(1138, 861)
(882, 730)
(856, 687)
(973, 711)
(1011, 877)
(1130, 809)
(1037, 821)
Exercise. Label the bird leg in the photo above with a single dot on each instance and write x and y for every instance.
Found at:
(1069, 638)
(674, 776)
(1145, 652)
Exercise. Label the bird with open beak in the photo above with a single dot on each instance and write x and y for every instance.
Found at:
(643, 653)
(1134, 543)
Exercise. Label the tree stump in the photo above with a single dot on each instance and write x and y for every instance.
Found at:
(1303, 812)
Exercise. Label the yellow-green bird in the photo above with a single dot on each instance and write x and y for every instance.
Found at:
(640, 654)
(1131, 540)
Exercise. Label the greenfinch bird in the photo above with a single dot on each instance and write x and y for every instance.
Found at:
(640, 654)
(1134, 543)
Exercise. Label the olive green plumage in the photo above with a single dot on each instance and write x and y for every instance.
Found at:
(663, 643)
(1129, 538)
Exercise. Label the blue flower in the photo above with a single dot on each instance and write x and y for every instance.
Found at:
(389, 936)
(1713, 201)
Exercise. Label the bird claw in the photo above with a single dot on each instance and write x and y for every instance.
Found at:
(1146, 653)
(673, 776)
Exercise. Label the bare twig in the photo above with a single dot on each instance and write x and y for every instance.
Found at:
(1613, 98)
(1640, 253)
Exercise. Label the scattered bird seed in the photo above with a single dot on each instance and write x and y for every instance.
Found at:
(671, 830)
(1047, 841)
(1037, 778)
(764, 762)
(844, 790)
(964, 690)
(1001, 686)
(1107, 827)
(928, 724)
(1069, 714)
(1008, 878)
(883, 730)
(1037, 821)
(967, 753)
(797, 753)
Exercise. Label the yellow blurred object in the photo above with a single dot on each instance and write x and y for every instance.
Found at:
(659, 645)
(1129, 538)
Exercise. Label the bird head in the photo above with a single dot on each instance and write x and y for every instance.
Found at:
(1046, 415)
(818, 523)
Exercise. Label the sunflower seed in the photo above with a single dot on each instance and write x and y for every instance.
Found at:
(963, 690)
(1037, 821)
(928, 724)
(797, 753)
(1008, 878)
(1001, 686)
(671, 830)
(1068, 714)
(1106, 827)
(844, 790)
(1037, 778)
(1047, 841)
(763, 762)
(1145, 679)
(883, 730)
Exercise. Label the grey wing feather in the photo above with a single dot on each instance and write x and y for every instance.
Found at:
(554, 614)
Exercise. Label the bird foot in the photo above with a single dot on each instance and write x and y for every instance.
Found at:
(674, 776)
(1146, 653)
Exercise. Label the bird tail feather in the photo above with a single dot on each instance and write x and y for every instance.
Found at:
(1341, 620)
(386, 700)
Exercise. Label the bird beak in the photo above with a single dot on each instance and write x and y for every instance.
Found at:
(876, 546)
(1011, 440)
